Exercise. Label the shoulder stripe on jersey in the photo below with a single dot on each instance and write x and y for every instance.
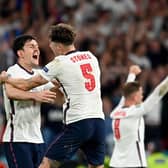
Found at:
(66, 109)
(12, 106)
(139, 129)
(139, 153)
(11, 117)
(67, 103)
(66, 95)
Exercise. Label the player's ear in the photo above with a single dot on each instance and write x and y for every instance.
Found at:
(59, 46)
(20, 53)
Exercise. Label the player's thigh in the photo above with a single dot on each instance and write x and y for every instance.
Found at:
(65, 145)
(18, 155)
(94, 148)
(38, 151)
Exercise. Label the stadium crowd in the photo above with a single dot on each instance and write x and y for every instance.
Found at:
(118, 32)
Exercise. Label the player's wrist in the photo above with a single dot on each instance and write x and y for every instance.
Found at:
(33, 96)
(135, 69)
(4, 78)
(7, 78)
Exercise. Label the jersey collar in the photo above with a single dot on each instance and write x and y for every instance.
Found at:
(31, 73)
(70, 52)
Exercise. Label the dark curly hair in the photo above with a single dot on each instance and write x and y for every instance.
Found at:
(62, 33)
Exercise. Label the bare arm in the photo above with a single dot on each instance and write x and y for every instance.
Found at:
(41, 96)
(134, 70)
(23, 84)
(59, 100)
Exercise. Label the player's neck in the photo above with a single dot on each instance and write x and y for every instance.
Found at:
(25, 66)
(68, 49)
(129, 103)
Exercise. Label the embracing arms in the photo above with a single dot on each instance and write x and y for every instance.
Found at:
(23, 84)
(45, 96)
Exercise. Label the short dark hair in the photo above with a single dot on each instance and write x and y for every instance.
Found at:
(130, 88)
(62, 33)
(20, 41)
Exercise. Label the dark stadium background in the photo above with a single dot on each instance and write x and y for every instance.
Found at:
(119, 33)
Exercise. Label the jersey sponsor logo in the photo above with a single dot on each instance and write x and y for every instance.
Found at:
(45, 69)
(80, 57)
(120, 113)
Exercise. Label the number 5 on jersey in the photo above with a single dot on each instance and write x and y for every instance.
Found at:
(87, 73)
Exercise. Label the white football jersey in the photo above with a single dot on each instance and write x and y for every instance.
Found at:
(23, 117)
(128, 128)
(79, 75)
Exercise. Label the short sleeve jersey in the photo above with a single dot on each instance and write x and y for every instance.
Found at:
(79, 76)
(23, 117)
(128, 128)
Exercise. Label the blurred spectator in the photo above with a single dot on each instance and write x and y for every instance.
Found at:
(51, 121)
(157, 53)
(107, 108)
(118, 32)
(138, 55)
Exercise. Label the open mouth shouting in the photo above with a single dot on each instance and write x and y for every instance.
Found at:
(35, 55)
(35, 58)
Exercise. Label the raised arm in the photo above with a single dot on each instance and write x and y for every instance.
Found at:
(134, 70)
(156, 95)
(148, 104)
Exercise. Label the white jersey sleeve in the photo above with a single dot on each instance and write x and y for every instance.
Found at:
(51, 70)
(146, 106)
(156, 95)
(46, 86)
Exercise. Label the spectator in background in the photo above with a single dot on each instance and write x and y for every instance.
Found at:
(122, 24)
(107, 108)
(157, 53)
(138, 55)
(51, 121)
(153, 120)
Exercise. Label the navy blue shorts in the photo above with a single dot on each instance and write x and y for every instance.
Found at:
(24, 155)
(87, 135)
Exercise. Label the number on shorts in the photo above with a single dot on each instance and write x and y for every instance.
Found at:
(117, 129)
(86, 72)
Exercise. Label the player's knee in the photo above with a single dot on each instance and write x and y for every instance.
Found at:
(54, 164)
